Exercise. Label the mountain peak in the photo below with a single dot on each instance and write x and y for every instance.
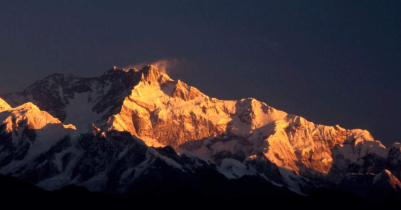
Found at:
(150, 74)
(29, 114)
(182, 90)
(4, 105)
(27, 106)
(388, 177)
(116, 71)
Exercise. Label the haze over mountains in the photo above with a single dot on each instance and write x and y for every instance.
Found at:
(113, 132)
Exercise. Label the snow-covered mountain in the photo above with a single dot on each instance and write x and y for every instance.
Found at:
(107, 132)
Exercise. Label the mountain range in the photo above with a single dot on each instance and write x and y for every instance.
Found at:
(134, 129)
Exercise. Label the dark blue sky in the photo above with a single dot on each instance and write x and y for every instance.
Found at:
(332, 62)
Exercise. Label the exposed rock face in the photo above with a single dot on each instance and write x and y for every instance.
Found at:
(243, 137)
